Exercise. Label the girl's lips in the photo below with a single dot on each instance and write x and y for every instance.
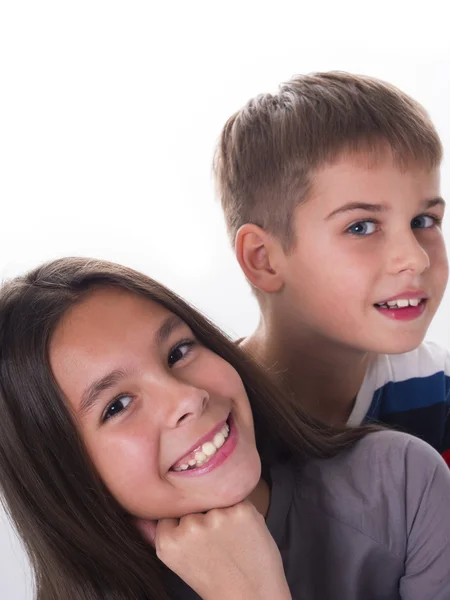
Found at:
(219, 457)
(197, 446)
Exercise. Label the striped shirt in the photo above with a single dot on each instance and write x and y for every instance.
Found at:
(409, 392)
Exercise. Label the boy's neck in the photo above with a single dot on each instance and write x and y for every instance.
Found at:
(325, 376)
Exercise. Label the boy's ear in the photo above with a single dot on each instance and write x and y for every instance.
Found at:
(258, 254)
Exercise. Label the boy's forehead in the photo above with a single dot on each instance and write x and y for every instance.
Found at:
(374, 158)
(351, 174)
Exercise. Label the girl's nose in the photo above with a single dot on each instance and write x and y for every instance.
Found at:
(184, 403)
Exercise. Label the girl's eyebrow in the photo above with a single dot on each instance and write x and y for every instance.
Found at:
(92, 393)
(167, 327)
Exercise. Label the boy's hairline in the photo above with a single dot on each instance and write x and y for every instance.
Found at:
(371, 157)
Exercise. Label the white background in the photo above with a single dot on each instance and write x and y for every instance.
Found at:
(109, 113)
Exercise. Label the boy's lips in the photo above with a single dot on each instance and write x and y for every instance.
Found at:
(406, 295)
(406, 306)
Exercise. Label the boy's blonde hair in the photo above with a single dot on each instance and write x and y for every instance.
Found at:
(268, 151)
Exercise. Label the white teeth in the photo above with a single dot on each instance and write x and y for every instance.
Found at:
(208, 450)
(219, 440)
(401, 303)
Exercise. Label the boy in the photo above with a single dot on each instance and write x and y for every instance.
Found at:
(331, 195)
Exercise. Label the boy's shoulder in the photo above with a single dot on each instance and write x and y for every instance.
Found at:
(422, 362)
(412, 380)
(396, 375)
(409, 391)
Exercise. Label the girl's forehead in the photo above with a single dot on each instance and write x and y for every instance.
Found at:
(111, 331)
(108, 321)
(111, 307)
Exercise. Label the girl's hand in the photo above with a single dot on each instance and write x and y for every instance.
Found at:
(223, 554)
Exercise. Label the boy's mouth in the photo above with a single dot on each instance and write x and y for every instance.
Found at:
(403, 308)
(400, 303)
(203, 453)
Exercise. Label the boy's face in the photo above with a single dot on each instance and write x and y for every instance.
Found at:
(369, 267)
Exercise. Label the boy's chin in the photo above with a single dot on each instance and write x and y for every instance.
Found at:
(398, 344)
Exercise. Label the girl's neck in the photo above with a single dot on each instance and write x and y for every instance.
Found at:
(260, 497)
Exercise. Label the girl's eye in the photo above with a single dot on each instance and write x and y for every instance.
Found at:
(179, 352)
(424, 222)
(118, 405)
(362, 228)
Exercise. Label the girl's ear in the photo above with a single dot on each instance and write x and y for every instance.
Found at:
(258, 254)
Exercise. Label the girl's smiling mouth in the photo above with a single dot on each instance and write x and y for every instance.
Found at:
(209, 452)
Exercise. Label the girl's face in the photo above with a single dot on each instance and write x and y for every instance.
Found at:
(167, 422)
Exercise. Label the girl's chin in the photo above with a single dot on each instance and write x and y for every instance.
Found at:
(225, 498)
(232, 494)
(237, 482)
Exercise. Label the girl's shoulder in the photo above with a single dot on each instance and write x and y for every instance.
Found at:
(377, 487)
(378, 462)
(385, 450)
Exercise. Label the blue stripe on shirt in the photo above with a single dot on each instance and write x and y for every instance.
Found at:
(418, 392)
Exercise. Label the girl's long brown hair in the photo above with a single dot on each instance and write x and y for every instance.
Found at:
(81, 544)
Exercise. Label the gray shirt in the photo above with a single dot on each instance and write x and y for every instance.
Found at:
(372, 523)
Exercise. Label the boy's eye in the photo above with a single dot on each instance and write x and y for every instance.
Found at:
(362, 228)
(179, 352)
(118, 405)
(423, 222)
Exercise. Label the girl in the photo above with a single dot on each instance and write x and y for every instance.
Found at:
(121, 405)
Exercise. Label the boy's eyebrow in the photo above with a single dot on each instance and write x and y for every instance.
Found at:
(92, 392)
(357, 206)
(435, 202)
(378, 207)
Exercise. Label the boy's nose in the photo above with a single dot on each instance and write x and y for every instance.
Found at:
(406, 254)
